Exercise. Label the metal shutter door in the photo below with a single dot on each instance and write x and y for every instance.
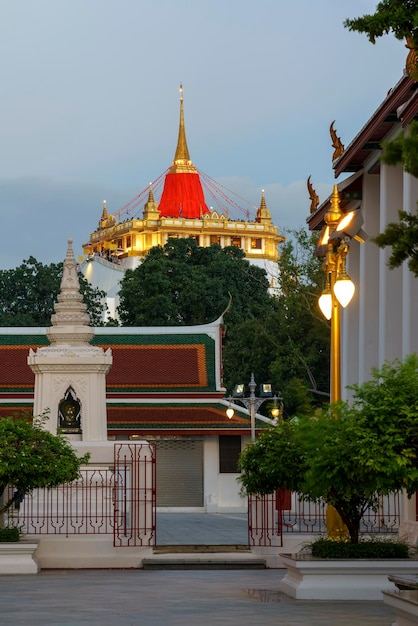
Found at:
(179, 472)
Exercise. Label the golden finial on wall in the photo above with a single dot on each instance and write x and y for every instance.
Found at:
(312, 195)
(336, 143)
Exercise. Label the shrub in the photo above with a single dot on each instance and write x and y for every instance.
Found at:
(367, 549)
(9, 534)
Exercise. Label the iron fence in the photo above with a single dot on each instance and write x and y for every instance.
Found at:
(116, 500)
(272, 515)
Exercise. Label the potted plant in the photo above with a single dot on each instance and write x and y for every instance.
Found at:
(349, 454)
(30, 458)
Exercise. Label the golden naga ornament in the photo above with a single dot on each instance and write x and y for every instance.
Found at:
(336, 143)
(411, 66)
(313, 196)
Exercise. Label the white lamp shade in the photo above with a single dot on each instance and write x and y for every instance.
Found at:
(344, 290)
(230, 412)
(325, 304)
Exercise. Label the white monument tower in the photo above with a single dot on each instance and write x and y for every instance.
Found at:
(70, 374)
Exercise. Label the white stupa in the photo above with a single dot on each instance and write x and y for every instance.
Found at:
(70, 374)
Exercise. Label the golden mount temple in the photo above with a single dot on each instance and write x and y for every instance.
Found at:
(121, 241)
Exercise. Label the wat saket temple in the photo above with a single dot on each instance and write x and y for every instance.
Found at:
(122, 239)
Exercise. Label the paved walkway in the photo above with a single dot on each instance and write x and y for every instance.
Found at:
(174, 598)
(202, 529)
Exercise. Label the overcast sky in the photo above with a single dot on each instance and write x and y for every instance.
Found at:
(90, 102)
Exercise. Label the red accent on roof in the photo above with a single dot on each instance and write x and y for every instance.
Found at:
(179, 417)
(15, 411)
(157, 366)
(182, 196)
(169, 367)
(15, 371)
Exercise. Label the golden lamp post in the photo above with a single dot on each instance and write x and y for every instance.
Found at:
(333, 247)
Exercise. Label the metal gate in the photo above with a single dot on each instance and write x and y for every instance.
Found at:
(134, 495)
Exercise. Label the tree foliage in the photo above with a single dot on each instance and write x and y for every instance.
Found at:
(183, 283)
(403, 150)
(31, 457)
(402, 236)
(28, 294)
(289, 346)
(399, 17)
(349, 454)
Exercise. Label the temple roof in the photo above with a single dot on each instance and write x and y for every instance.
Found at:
(160, 382)
(363, 154)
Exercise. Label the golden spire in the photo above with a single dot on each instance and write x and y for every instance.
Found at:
(263, 214)
(151, 211)
(104, 212)
(182, 160)
(263, 204)
(150, 194)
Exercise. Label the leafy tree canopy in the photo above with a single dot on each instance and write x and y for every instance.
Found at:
(28, 294)
(31, 457)
(397, 16)
(403, 150)
(290, 345)
(183, 283)
(349, 454)
(402, 236)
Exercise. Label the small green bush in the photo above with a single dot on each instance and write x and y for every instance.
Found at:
(368, 549)
(9, 534)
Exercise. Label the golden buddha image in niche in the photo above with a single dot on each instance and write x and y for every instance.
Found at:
(69, 413)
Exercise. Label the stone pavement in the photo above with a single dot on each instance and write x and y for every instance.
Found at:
(202, 529)
(173, 598)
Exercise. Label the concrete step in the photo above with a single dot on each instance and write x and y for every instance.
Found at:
(202, 549)
(189, 560)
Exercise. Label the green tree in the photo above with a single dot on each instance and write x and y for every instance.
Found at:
(402, 236)
(399, 17)
(31, 457)
(290, 346)
(349, 454)
(28, 294)
(185, 284)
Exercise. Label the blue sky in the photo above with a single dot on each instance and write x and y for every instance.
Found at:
(89, 105)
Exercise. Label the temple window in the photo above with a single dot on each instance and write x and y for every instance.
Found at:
(215, 239)
(229, 451)
(236, 241)
(256, 243)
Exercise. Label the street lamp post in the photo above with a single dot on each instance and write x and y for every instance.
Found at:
(333, 247)
(252, 403)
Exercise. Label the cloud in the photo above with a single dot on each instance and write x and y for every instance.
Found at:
(38, 215)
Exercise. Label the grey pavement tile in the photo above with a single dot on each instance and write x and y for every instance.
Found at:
(157, 598)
